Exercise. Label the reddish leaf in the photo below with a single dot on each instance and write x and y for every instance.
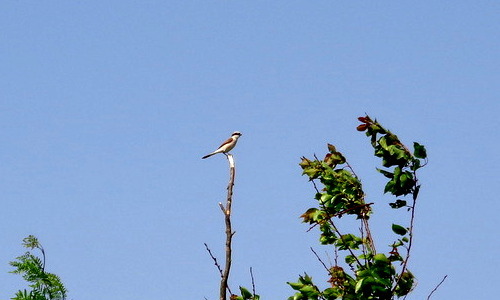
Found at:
(362, 127)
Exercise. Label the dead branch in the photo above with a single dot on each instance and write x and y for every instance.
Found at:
(229, 232)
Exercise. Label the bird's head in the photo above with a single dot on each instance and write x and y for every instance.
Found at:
(236, 134)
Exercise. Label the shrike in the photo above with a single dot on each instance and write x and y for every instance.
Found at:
(227, 145)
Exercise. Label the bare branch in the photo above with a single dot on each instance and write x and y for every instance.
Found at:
(229, 232)
(253, 281)
(442, 280)
(311, 228)
(352, 170)
(315, 187)
(336, 256)
(214, 259)
(321, 261)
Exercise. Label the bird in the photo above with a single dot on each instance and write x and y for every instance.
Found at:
(227, 146)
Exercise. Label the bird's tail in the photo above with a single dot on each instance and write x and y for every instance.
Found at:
(208, 155)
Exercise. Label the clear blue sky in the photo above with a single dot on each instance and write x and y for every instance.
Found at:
(106, 108)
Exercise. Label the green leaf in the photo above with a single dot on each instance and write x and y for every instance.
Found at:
(311, 215)
(389, 187)
(365, 256)
(381, 258)
(45, 285)
(383, 143)
(348, 241)
(325, 198)
(359, 284)
(419, 151)
(406, 284)
(397, 243)
(31, 242)
(416, 165)
(386, 173)
(333, 293)
(398, 229)
(245, 293)
(308, 289)
(313, 173)
(403, 178)
(306, 279)
(396, 151)
(350, 259)
(295, 285)
(398, 204)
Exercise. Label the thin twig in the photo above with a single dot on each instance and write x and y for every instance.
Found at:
(311, 228)
(410, 231)
(321, 261)
(336, 256)
(442, 280)
(44, 258)
(330, 259)
(253, 281)
(369, 236)
(365, 220)
(214, 259)
(315, 187)
(352, 170)
(341, 237)
(363, 249)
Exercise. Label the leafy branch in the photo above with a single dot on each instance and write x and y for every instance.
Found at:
(372, 275)
(45, 286)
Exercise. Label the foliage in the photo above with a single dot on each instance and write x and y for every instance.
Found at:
(245, 295)
(366, 273)
(45, 286)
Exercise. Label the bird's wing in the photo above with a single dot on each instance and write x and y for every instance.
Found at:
(229, 140)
